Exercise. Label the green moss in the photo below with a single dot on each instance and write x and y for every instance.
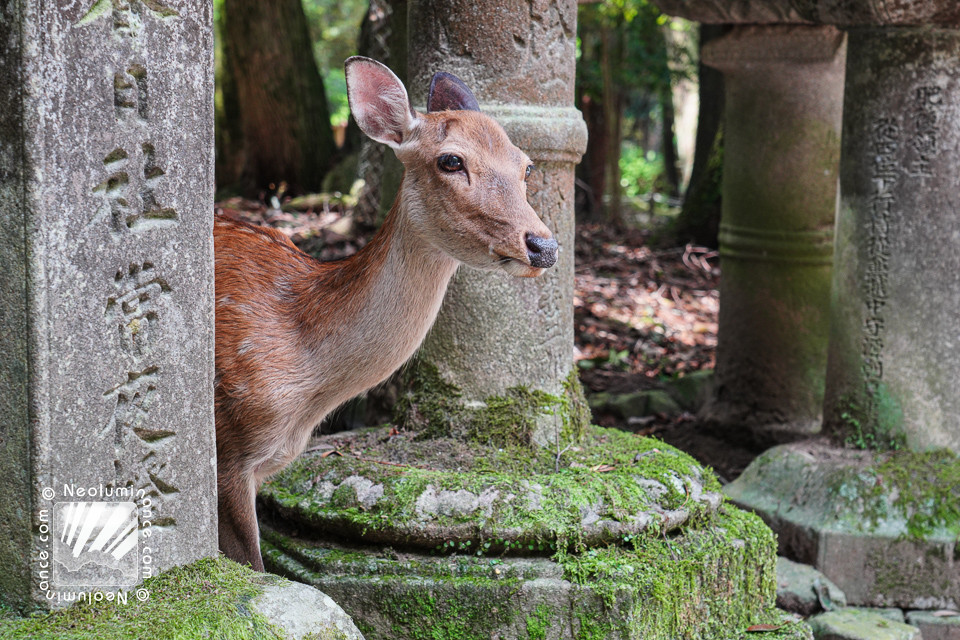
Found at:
(549, 493)
(539, 623)
(434, 408)
(712, 581)
(874, 423)
(674, 577)
(201, 600)
(919, 487)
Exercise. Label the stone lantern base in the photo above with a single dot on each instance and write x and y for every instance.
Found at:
(883, 526)
(615, 537)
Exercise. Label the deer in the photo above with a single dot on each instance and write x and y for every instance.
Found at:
(297, 337)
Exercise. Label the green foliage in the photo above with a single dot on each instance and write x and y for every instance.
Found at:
(334, 29)
(875, 426)
(640, 172)
(642, 63)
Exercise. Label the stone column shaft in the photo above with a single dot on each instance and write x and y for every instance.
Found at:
(895, 346)
(496, 332)
(106, 294)
(784, 87)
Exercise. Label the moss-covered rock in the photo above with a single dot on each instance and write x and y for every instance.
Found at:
(433, 408)
(714, 580)
(211, 598)
(438, 493)
(859, 624)
(883, 526)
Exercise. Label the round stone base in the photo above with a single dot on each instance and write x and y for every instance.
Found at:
(715, 580)
(385, 487)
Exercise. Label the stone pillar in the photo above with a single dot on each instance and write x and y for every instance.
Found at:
(495, 332)
(895, 348)
(784, 88)
(106, 294)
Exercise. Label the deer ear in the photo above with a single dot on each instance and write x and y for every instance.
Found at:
(378, 101)
(449, 93)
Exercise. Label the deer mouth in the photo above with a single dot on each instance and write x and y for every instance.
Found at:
(518, 268)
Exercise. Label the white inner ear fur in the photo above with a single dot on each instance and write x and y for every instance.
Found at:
(379, 103)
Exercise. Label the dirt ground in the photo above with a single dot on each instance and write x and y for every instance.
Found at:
(644, 313)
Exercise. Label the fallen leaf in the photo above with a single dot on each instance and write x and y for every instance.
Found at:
(760, 628)
(945, 613)
(603, 468)
(332, 451)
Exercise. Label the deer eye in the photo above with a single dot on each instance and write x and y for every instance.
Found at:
(529, 169)
(450, 163)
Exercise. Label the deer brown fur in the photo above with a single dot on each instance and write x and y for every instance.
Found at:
(296, 337)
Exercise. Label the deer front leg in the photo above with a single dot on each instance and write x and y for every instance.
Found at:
(239, 533)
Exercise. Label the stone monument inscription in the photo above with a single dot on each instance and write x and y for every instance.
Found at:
(109, 156)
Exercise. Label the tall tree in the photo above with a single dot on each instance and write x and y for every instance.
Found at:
(280, 99)
(624, 81)
(699, 219)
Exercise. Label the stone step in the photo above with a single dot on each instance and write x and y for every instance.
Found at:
(882, 526)
(859, 624)
(713, 580)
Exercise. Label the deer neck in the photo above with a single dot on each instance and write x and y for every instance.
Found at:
(381, 301)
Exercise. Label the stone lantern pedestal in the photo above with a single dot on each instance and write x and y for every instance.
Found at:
(784, 89)
(895, 347)
(880, 524)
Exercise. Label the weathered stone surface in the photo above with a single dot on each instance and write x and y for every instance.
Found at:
(890, 613)
(804, 590)
(712, 581)
(692, 390)
(613, 486)
(495, 332)
(784, 94)
(879, 12)
(894, 358)
(635, 404)
(857, 624)
(106, 312)
(836, 12)
(879, 526)
(303, 612)
(935, 625)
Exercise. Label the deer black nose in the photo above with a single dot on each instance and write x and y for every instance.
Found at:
(541, 251)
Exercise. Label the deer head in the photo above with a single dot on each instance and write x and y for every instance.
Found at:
(464, 189)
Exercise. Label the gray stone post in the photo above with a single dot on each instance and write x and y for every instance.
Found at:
(784, 88)
(895, 347)
(495, 332)
(107, 452)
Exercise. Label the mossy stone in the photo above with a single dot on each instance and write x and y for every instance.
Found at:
(859, 624)
(210, 598)
(882, 526)
(713, 580)
(398, 489)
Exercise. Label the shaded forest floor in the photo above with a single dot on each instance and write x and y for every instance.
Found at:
(644, 314)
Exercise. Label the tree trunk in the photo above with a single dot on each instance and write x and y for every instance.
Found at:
(699, 219)
(228, 132)
(593, 169)
(612, 115)
(282, 104)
